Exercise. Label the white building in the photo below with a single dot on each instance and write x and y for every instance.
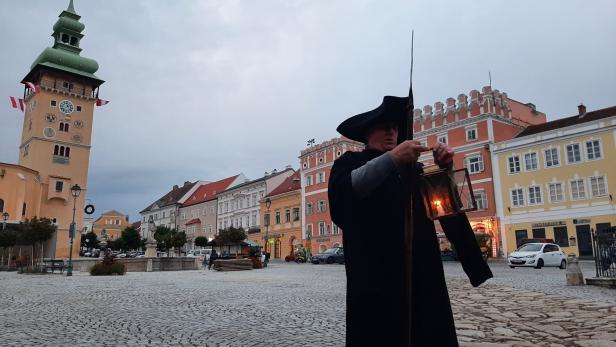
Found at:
(239, 206)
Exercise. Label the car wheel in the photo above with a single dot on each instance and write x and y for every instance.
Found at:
(511, 266)
(539, 264)
(330, 260)
(563, 264)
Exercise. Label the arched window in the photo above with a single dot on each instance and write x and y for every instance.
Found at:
(56, 150)
(73, 41)
(65, 38)
(1, 205)
(23, 209)
(68, 152)
(61, 151)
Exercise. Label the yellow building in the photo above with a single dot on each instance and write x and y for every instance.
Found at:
(282, 227)
(110, 225)
(56, 136)
(553, 181)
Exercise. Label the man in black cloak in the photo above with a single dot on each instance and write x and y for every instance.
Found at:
(368, 193)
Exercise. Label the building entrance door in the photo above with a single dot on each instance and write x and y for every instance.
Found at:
(584, 240)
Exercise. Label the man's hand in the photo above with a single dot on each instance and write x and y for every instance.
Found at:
(443, 155)
(407, 152)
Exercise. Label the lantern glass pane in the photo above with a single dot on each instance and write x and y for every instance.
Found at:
(447, 193)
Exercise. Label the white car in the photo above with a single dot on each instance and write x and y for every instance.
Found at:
(538, 255)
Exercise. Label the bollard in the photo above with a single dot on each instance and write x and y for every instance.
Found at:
(574, 273)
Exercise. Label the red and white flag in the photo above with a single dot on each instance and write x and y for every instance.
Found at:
(101, 102)
(31, 85)
(17, 102)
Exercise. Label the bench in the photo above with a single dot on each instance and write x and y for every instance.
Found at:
(54, 264)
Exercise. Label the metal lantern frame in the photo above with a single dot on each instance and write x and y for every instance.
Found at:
(444, 192)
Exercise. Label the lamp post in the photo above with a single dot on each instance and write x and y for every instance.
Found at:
(75, 191)
(5, 217)
(268, 203)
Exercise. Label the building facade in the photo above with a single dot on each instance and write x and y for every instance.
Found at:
(318, 231)
(164, 211)
(54, 153)
(109, 225)
(555, 181)
(198, 214)
(239, 206)
(281, 233)
(469, 125)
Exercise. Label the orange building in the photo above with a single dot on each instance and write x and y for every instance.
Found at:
(110, 225)
(282, 223)
(54, 153)
(318, 231)
(469, 127)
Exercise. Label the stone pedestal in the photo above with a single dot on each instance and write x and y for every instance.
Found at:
(148, 267)
(574, 273)
(150, 249)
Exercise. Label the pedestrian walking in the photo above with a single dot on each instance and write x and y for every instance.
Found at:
(213, 258)
(369, 192)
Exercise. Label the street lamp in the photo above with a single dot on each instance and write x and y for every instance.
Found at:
(5, 217)
(268, 203)
(75, 191)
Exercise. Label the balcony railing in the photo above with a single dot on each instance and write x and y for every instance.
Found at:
(61, 160)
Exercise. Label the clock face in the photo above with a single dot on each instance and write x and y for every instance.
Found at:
(78, 124)
(66, 107)
(49, 132)
(77, 138)
(50, 118)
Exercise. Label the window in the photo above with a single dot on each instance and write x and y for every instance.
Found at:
(539, 233)
(335, 229)
(482, 200)
(474, 163)
(61, 151)
(574, 153)
(23, 209)
(287, 215)
(277, 217)
(593, 150)
(471, 134)
(309, 230)
(309, 208)
(308, 180)
(53, 103)
(597, 186)
(577, 189)
(530, 161)
(519, 235)
(321, 206)
(117, 222)
(78, 108)
(442, 139)
(534, 195)
(517, 197)
(73, 41)
(321, 228)
(556, 192)
(266, 219)
(64, 38)
(296, 214)
(321, 177)
(514, 164)
(1, 205)
(560, 236)
(59, 186)
(551, 157)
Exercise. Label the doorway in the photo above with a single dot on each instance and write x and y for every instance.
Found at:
(584, 240)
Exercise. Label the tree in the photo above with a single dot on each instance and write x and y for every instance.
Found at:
(118, 244)
(232, 235)
(178, 239)
(8, 239)
(201, 241)
(35, 231)
(91, 240)
(163, 236)
(131, 237)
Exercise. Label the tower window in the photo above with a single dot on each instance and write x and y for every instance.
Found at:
(62, 151)
(64, 126)
(23, 209)
(59, 186)
(73, 41)
(53, 103)
(78, 108)
(65, 38)
(56, 150)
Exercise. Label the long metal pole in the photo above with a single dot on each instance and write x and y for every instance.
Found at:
(69, 270)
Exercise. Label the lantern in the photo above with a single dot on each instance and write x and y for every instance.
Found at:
(446, 192)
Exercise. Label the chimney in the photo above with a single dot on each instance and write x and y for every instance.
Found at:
(581, 110)
(186, 183)
(175, 187)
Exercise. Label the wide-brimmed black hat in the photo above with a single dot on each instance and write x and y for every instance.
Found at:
(392, 108)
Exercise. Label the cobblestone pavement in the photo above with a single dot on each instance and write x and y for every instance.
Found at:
(283, 305)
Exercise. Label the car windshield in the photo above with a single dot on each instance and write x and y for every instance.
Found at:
(530, 247)
(331, 251)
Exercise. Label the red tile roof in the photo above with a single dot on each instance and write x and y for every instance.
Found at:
(292, 183)
(172, 196)
(209, 191)
(569, 121)
(193, 221)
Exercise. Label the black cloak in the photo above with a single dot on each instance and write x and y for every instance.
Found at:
(373, 232)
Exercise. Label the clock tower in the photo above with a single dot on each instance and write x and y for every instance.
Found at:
(57, 129)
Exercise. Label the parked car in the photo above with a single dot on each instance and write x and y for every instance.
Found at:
(330, 256)
(538, 255)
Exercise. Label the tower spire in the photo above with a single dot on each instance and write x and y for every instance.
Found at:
(71, 8)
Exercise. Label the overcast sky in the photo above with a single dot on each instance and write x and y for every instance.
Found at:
(201, 90)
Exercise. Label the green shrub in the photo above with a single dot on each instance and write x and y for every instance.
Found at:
(100, 269)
